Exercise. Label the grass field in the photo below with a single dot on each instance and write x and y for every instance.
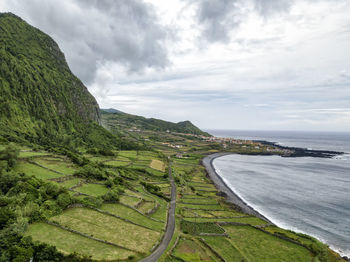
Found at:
(117, 163)
(146, 207)
(197, 228)
(161, 212)
(224, 248)
(189, 250)
(108, 228)
(127, 154)
(128, 200)
(64, 167)
(68, 242)
(228, 213)
(195, 213)
(70, 183)
(258, 246)
(198, 201)
(139, 165)
(133, 216)
(206, 207)
(254, 221)
(155, 172)
(34, 170)
(306, 240)
(92, 189)
(157, 165)
(27, 154)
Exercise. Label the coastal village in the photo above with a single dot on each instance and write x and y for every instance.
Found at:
(226, 142)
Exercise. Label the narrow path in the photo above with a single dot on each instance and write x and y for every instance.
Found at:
(170, 227)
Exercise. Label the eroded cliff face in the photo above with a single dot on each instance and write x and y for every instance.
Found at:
(37, 89)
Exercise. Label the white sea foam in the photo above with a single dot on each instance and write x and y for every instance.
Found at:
(342, 157)
(303, 222)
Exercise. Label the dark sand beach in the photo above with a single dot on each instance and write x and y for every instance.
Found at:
(231, 196)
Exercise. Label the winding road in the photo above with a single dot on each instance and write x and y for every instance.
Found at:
(170, 227)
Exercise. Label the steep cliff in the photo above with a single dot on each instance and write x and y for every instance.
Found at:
(38, 92)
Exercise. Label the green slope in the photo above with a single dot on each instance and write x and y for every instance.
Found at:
(41, 101)
(116, 120)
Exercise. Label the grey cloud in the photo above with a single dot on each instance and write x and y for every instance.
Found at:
(219, 17)
(270, 7)
(99, 31)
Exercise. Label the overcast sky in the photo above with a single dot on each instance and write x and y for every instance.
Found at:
(222, 64)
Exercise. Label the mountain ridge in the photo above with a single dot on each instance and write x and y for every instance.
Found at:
(111, 118)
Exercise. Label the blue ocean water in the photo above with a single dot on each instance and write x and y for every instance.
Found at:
(309, 195)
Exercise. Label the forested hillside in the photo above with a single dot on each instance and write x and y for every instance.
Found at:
(117, 120)
(41, 101)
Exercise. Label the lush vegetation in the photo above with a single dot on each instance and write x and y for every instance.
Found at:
(69, 188)
(41, 101)
(113, 119)
(23, 200)
(198, 228)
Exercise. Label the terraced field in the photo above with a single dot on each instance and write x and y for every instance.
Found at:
(140, 216)
(68, 242)
(108, 228)
(212, 230)
(207, 229)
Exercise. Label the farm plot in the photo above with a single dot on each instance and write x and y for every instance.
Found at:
(254, 221)
(162, 211)
(189, 250)
(203, 207)
(129, 200)
(146, 207)
(64, 167)
(224, 248)
(27, 154)
(128, 154)
(199, 201)
(188, 213)
(115, 163)
(132, 215)
(198, 228)
(157, 165)
(258, 246)
(108, 228)
(70, 183)
(228, 213)
(34, 170)
(92, 189)
(68, 243)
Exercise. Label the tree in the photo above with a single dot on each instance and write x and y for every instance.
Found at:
(10, 155)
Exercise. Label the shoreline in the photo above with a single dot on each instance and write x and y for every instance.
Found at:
(233, 198)
(222, 187)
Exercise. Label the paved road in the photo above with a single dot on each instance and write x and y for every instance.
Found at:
(170, 225)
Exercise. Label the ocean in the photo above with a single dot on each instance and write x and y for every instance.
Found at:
(308, 195)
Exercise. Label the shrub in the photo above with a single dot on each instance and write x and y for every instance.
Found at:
(202, 227)
(111, 196)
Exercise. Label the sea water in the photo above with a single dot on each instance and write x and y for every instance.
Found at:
(305, 194)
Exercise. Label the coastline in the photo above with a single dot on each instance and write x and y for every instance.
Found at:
(220, 184)
(233, 198)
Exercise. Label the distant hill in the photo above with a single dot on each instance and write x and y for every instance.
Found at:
(114, 119)
(112, 110)
(41, 100)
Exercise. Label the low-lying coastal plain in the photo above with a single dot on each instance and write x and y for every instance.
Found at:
(212, 223)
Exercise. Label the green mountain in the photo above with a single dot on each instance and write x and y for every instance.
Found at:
(116, 120)
(41, 100)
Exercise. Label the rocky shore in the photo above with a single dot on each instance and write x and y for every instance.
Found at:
(302, 152)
